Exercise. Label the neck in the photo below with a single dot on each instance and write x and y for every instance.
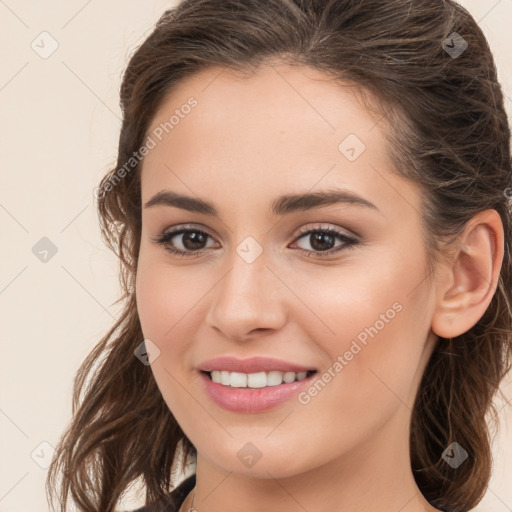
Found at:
(374, 475)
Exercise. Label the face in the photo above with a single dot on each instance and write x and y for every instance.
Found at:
(336, 287)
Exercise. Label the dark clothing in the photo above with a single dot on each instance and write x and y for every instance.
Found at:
(176, 497)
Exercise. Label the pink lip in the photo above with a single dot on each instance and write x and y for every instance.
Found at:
(251, 400)
(251, 365)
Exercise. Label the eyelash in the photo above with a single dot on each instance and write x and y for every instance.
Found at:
(349, 242)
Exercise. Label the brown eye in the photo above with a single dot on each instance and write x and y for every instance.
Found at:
(322, 241)
(189, 241)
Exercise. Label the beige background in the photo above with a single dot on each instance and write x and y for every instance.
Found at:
(58, 136)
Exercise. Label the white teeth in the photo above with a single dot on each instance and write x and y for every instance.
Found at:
(238, 380)
(255, 380)
(289, 376)
(274, 378)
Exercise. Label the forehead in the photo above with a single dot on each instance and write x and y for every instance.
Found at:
(270, 99)
(282, 128)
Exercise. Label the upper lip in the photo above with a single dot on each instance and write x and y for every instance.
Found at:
(251, 365)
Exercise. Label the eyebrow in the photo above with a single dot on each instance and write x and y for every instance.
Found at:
(282, 205)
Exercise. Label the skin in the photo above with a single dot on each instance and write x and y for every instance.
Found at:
(248, 141)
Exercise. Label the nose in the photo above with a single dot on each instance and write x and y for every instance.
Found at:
(248, 299)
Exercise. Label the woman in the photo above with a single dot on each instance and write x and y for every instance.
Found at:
(311, 211)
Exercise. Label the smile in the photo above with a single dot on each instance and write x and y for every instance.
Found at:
(256, 380)
(266, 390)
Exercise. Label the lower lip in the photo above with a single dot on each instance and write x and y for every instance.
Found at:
(252, 399)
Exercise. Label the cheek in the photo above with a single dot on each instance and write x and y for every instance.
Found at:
(165, 296)
(372, 322)
(343, 303)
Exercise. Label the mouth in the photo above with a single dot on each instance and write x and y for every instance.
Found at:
(256, 392)
(256, 380)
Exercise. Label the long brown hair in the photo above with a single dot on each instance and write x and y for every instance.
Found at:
(449, 133)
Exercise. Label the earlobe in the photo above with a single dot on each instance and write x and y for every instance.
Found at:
(467, 284)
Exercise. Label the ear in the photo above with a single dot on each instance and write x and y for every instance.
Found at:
(466, 285)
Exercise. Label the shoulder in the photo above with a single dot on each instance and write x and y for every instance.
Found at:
(175, 498)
